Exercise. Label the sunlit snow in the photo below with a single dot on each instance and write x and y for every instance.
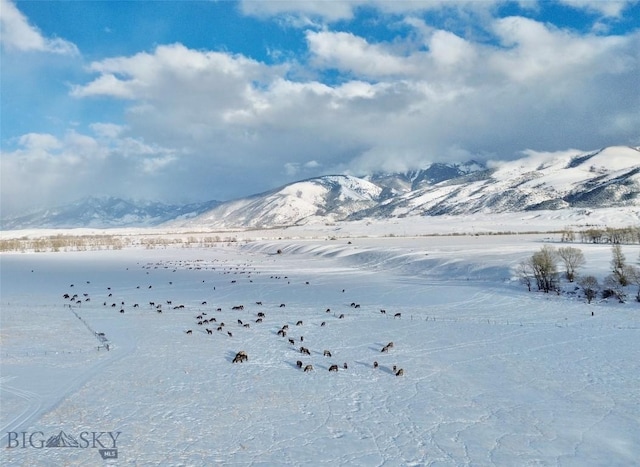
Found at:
(493, 374)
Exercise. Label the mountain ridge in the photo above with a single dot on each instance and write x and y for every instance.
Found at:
(608, 177)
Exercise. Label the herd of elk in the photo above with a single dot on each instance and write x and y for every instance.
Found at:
(241, 356)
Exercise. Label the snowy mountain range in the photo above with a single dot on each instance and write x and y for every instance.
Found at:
(106, 212)
(606, 178)
(609, 177)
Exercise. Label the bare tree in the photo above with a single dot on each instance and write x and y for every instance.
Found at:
(618, 265)
(612, 287)
(545, 269)
(568, 235)
(572, 259)
(633, 273)
(590, 287)
(524, 272)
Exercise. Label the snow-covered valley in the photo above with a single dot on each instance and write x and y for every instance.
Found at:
(493, 374)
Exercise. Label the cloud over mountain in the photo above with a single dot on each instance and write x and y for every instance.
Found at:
(438, 83)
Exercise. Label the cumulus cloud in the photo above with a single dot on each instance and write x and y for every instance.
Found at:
(540, 87)
(43, 170)
(16, 34)
(609, 8)
(205, 124)
(348, 52)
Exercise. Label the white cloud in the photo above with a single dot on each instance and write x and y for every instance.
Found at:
(607, 8)
(534, 51)
(16, 34)
(312, 12)
(333, 10)
(45, 170)
(202, 124)
(107, 130)
(541, 87)
(351, 53)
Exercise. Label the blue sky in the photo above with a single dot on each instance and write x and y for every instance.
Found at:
(182, 101)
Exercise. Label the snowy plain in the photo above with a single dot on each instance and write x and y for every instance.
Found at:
(493, 374)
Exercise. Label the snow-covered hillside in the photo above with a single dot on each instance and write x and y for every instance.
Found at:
(323, 199)
(538, 181)
(608, 178)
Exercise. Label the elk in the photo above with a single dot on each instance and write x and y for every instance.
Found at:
(292, 342)
(326, 353)
(261, 315)
(304, 350)
(209, 331)
(387, 347)
(384, 312)
(282, 333)
(308, 368)
(375, 364)
(259, 320)
(323, 324)
(240, 357)
(400, 372)
(333, 368)
(299, 323)
(397, 315)
(344, 365)
(189, 331)
(341, 316)
(299, 364)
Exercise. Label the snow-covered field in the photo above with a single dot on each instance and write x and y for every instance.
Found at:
(493, 374)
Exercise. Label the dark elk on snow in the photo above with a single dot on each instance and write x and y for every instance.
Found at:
(240, 357)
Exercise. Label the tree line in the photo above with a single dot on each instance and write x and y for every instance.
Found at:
(548, 266)
(613, 235)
